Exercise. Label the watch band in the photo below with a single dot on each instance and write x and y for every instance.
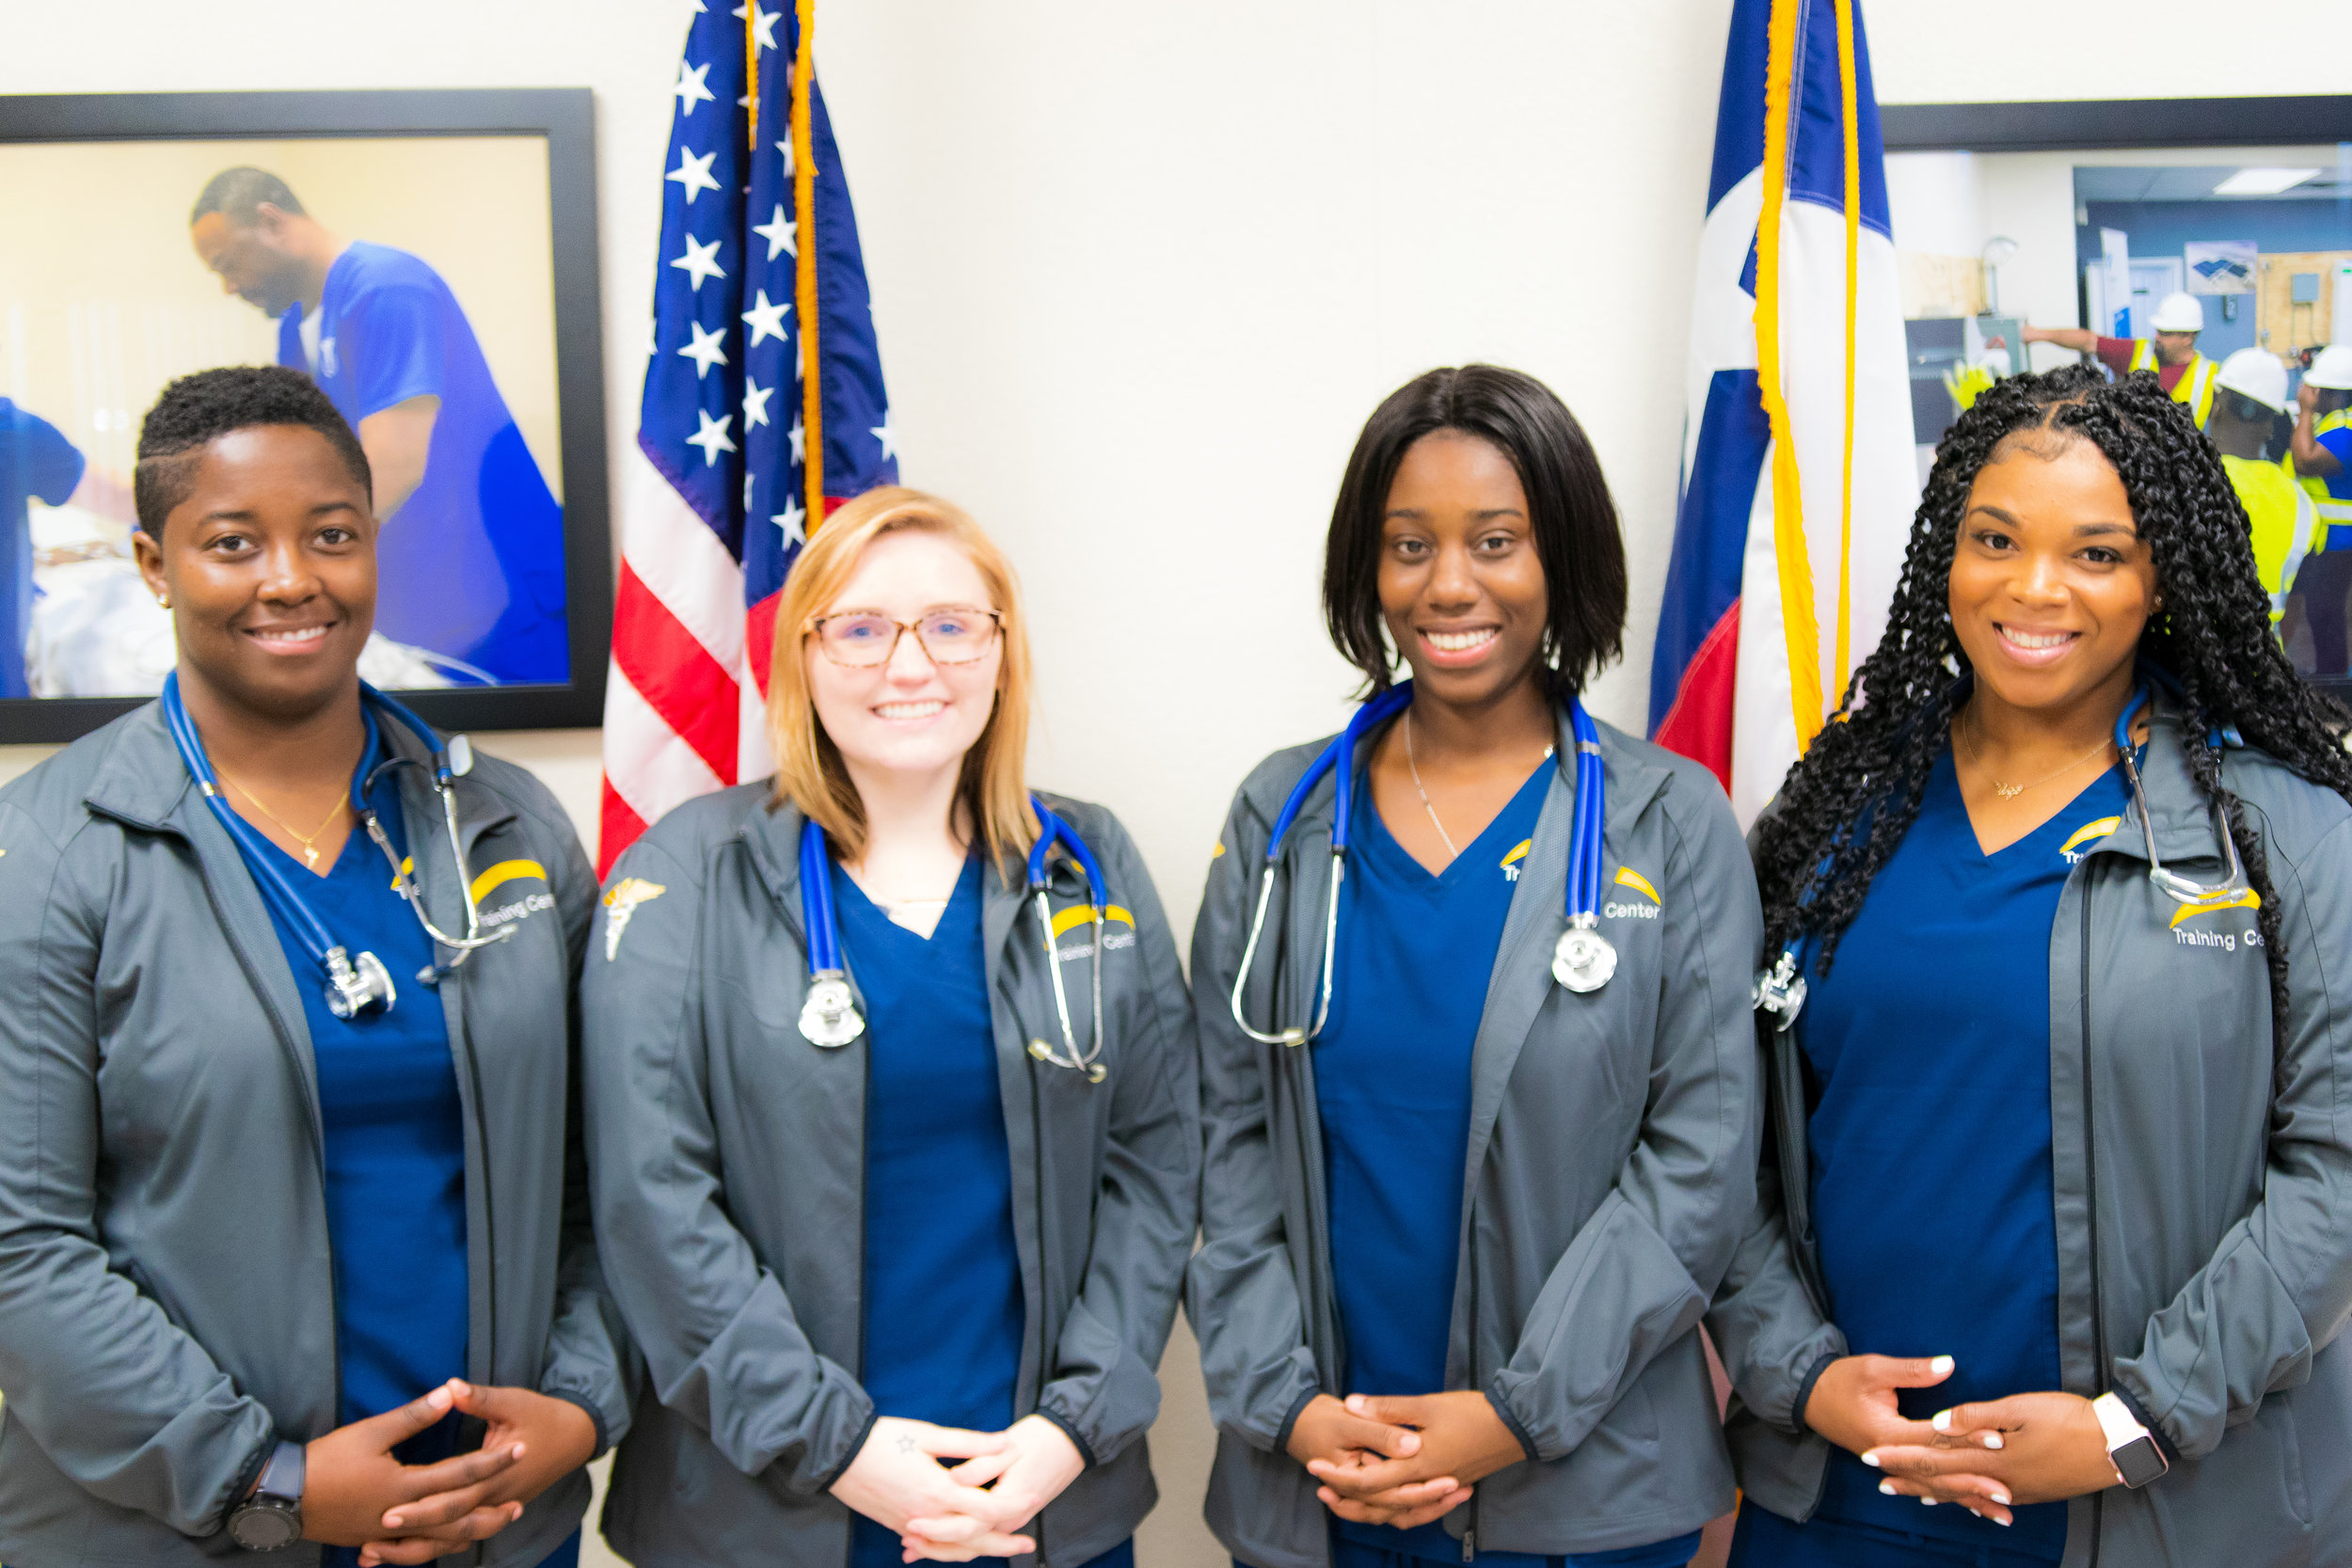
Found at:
(271, 1517)
(2131, 1446)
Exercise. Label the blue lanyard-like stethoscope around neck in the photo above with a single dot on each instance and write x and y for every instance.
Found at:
(830, 1018)
(360, 983)
(1582, 960)
(1781, 990)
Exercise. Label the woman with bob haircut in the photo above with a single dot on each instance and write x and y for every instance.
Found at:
(1479, 1083)
(2058, 1227)
(295, 1258)
(892, 1104)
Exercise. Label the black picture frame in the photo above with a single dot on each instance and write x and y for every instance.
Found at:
(2093, 124)
(564, 119)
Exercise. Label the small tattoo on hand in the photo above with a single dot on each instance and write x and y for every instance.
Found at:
(907, 1445)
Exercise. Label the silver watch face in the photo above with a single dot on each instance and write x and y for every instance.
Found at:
(265, 1524)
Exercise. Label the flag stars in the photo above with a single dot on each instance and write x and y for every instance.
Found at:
(785, 146)
(763, 22)
(704, 350)
(694, 173)
(767, 321)
(700, 260)
(780, 235)
(713, 437)
(692, 88)
(790, 520)
(886, 436)
(755, 405)
(799, 440)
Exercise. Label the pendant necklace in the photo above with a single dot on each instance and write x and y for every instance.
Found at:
(309, 855)
(1414, 769)
(2011, 791)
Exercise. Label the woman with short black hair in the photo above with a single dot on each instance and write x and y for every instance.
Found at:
(2060, 1225)
(1481, 1128)
(293, 1212)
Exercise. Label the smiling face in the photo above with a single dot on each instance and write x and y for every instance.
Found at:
(269, 564)
(2051, 584)
(908, 714)
(1461, 588)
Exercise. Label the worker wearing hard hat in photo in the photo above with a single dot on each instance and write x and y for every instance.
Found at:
(2322, 453)
(2181, 371)
(2250, 404)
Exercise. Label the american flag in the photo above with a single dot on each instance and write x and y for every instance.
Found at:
(721, 488)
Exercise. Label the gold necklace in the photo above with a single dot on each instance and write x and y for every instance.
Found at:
(2010, 791)
(1414, 769)
(309, 854)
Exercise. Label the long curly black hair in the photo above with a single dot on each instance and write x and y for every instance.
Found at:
(1847, 803)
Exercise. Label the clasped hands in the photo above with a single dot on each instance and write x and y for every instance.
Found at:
(970, 1510)
(1988, 1457)
(1400, 1460)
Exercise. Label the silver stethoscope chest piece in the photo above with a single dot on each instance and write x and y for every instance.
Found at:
(830, 1018)
(356, 986)
(1583, 960)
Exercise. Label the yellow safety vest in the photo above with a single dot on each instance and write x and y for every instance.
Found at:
(2284, 524)
(2332, 512)
(2195, 387)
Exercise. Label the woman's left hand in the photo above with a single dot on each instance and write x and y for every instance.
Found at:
(2051, 1448)
(1462, 1441)
(1035, 1464)
(556, 1436)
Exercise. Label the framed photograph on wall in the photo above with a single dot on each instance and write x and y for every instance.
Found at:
(429, 258)
(2090, 221)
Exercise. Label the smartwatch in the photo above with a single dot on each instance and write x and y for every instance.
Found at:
(272, 1516)
(2132, 1448)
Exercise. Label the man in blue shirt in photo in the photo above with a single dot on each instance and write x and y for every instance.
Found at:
(472, 549)
(37, 462)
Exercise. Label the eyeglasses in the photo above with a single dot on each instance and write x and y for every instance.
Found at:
(863, 639)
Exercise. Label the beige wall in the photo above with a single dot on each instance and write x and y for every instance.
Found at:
(1140, 270)
(103, 299)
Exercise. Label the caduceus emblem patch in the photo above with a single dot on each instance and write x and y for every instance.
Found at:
(620, 903)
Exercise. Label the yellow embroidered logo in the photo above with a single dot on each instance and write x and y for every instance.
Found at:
(1218, 851)
(1511, 862)
(1629, 878)
(2099, 828)
(514, 908)
(1080, 914)
(2243, 899)
(620, 902)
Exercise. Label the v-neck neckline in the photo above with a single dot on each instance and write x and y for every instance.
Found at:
(1385, 844)
(1949, 767)
(967, 884)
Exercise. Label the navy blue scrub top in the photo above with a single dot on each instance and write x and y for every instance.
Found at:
(942, 1308)
(1393, 1081)
(395, 1142)
(1928, 1055)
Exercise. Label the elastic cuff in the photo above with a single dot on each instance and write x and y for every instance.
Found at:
(1282, 1432)
(1085, 1450)
(850, 1456)
(1510, 1419)
(1797, 1423)
(2140, 1413)
(588, 1408)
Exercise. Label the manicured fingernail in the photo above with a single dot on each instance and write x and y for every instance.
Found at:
(1941, 1420)
(1888, 1487)
(1941, 1365)
(2001, 1498)
(1871, 1459)
(1927, 1502)
(391, 1521)
(2005, 1523)
(1992, 1440)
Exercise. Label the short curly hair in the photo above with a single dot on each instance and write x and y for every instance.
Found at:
(197, 409)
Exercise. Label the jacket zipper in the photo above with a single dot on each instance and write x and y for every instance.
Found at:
(2090, 1192)
(1045, 1308)
(1469, 1532)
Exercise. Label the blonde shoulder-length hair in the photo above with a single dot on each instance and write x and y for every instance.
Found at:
(809, 772)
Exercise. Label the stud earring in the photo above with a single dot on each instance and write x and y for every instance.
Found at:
(163, 600)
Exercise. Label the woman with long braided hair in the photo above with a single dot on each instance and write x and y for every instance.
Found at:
(2056, 1225)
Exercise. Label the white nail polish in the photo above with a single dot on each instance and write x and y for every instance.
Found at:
(2001, 1498)
(1941, 1366)
(1888, 1487)
(1941, 1420)
(1927, 1502)
(1871, 1459)
(1992, 1440)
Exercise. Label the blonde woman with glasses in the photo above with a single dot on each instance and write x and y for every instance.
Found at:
(891, 1098)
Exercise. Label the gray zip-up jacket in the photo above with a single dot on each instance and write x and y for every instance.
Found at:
(2204, 1211)
(728, 1157)
(1611, 1164)
(166, 1282)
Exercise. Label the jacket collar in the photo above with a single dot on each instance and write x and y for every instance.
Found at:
(2179, 816)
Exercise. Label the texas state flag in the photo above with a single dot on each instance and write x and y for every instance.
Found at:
(1791, 531)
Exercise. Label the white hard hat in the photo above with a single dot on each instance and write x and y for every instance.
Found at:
(2331, 367)
(2178, 313)
(2258, 373)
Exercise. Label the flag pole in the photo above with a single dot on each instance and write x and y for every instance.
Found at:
(804, 258)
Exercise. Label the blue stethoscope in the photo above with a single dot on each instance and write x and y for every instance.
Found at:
(830, 1018)
(1582, 960)
(353, 984)
(1781, 990)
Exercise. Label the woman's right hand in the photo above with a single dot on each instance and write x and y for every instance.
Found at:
(1326, 1429)
(351, 1480)
(1853, 1405)
(897, 1476)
